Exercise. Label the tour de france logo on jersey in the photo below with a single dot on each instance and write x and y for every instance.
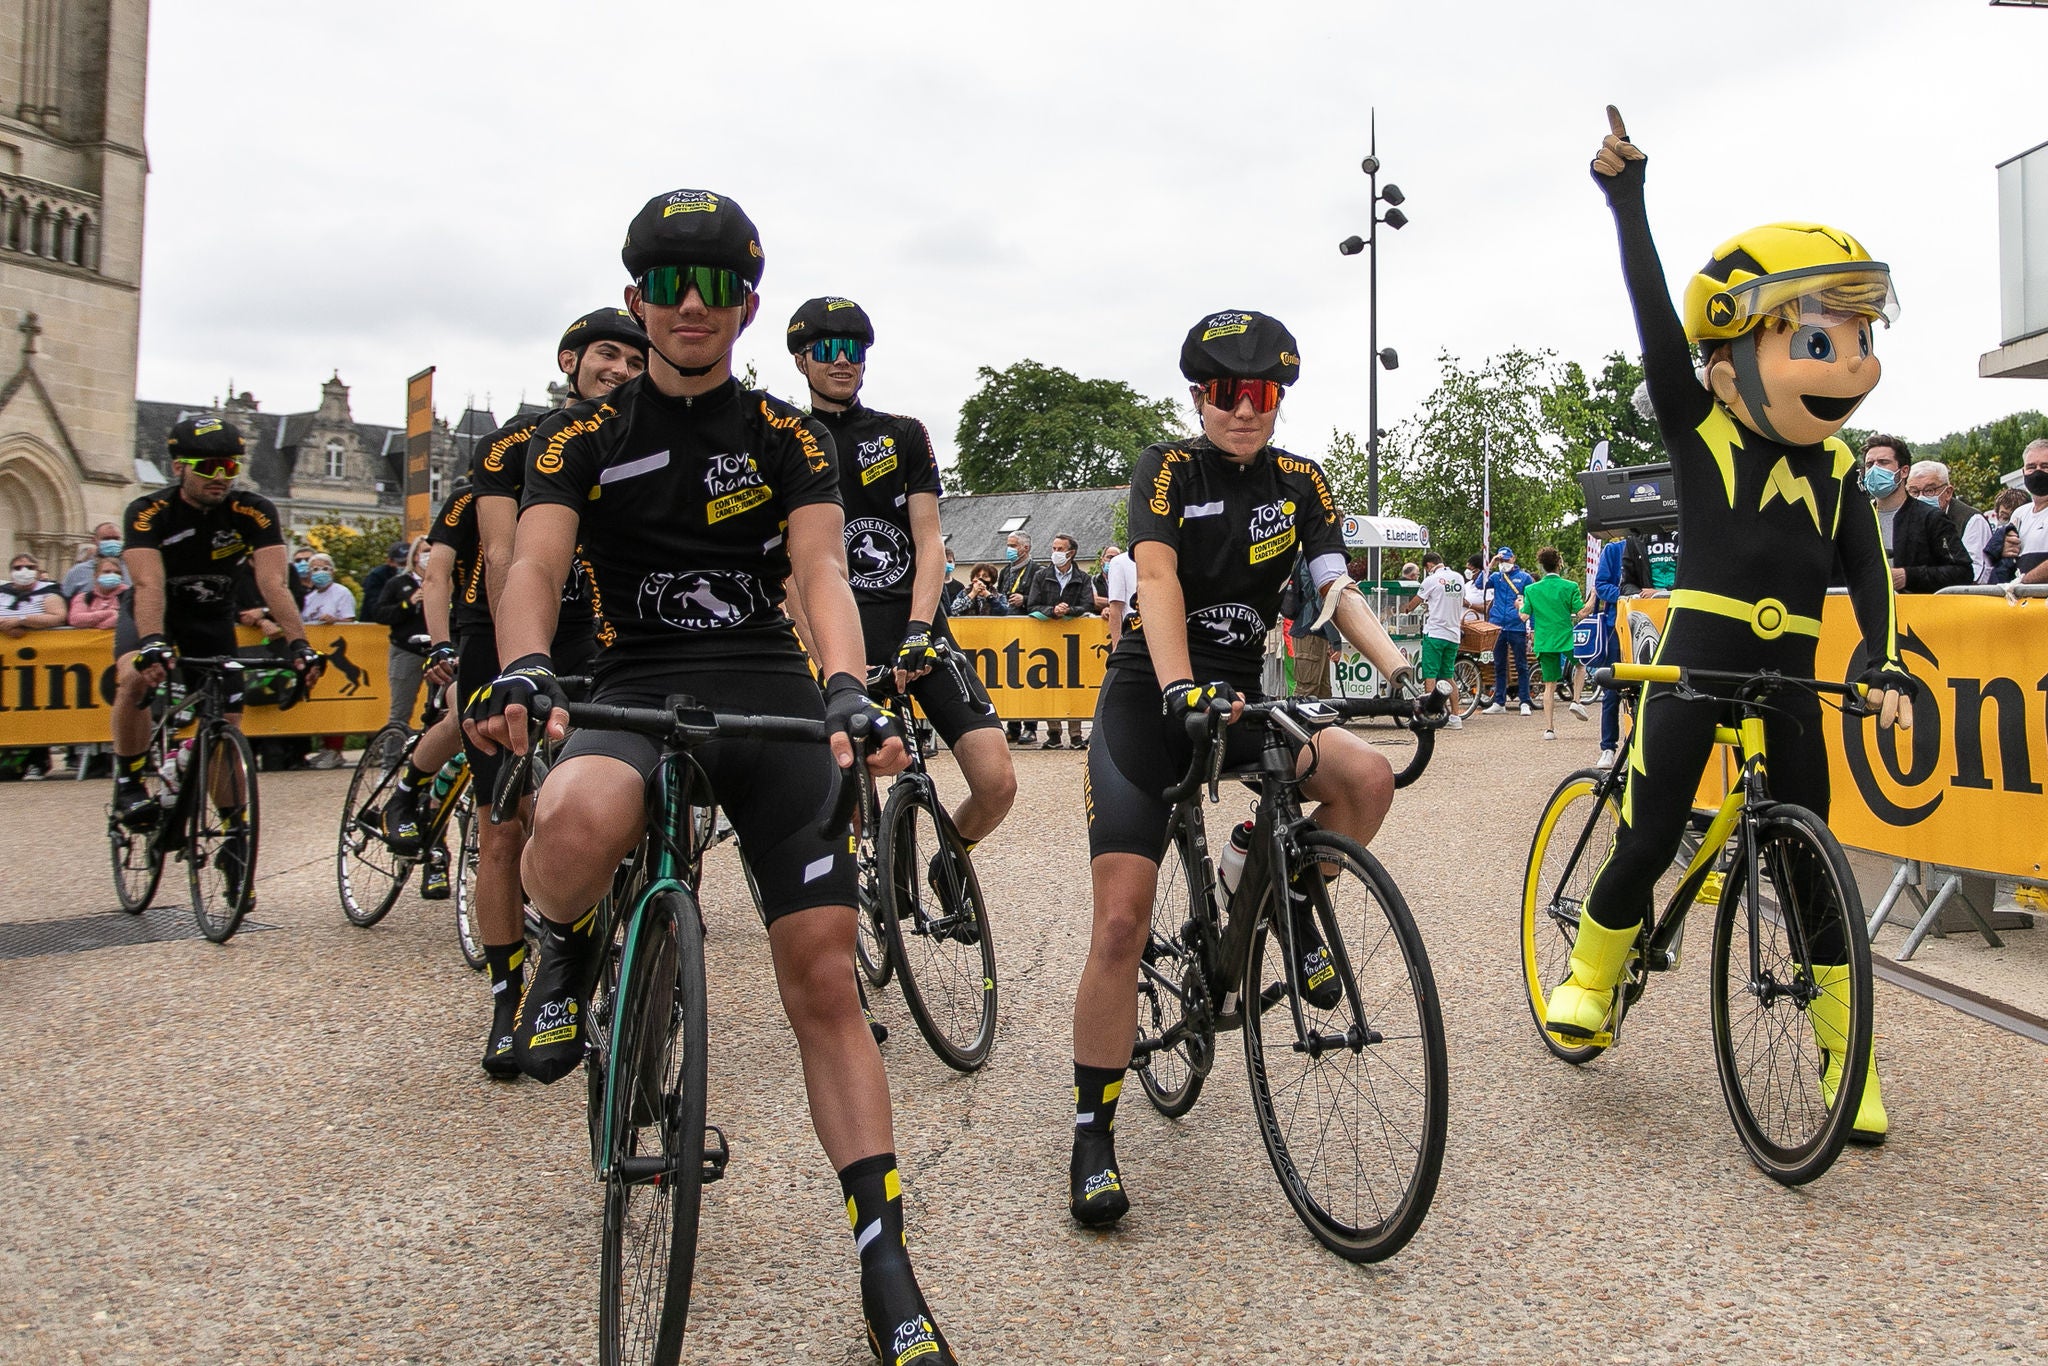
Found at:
(734, 482)
(877, 458)
(877, 554)
(701, 600)
(1228, 625)
(228, 544)
(1272, 529)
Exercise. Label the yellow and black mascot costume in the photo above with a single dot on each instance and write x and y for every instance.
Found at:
(1768, 506)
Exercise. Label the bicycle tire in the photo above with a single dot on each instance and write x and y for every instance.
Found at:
(871, 935)
(1466, 674)
(1777, 1104)
(1398, 1075)
(1554, 887)
(138, 855)
(367, 871)
(468, 936)
(654, 1096)
(1169, 971)
(219, 848)
(942, 946)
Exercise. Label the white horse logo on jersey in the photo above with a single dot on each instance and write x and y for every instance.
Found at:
(877, 554)
(701, 601)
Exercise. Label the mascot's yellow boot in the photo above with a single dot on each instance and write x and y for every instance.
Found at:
(1579, 1005)
(1828, 1013)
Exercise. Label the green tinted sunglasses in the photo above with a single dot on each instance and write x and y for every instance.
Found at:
(667, 286)
(828, 349)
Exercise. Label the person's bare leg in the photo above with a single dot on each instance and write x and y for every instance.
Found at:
(1354, 783)
(591, 813)
(1106, 1003)
(843, 1076)
(991, 782)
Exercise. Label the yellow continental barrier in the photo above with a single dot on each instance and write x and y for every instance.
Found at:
(1964, 787)
(56, 687)
(1036, 670)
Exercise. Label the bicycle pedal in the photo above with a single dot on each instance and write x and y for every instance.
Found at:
(717, 1152)
(1600, 1038)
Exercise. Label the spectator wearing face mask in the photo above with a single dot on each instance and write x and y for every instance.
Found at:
(1061, 590)
(96, 606)
(952, 592)
(327, 603)
(106, 544)
(1013, 586)
(28, 601)
(2031, 522)
(1925, 551)
(1928, 482)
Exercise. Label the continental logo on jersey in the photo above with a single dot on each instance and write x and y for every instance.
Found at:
(689, 201)
(1162, 483)
(494, 458)
(254, 514)
(732, 505)
(147, 514)
(607, 634)
(1289, 464)
(1289, 358)
(1225, 325)
(453, 517)
(814, 454)
(549, 461)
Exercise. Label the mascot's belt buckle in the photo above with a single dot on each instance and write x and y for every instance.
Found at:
(1768, 618)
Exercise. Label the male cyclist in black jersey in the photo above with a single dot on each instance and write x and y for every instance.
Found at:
(693, 501)
(896, 554)
(598, 352)
(1215, 526)
(184, 546)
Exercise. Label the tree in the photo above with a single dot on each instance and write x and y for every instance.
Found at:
(1036, 426)
(357, 546)
(1977, 457)
(1530, 414)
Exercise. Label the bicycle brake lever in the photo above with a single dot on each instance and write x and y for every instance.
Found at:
(1216, 748)
(851, 787)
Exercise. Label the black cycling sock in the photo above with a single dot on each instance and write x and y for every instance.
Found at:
(874, 1206)
(507, 964)
(1095, 1094)
(128, 767)
(410, 780)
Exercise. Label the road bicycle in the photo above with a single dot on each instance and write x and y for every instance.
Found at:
(1789, 969)
(1351, 1100)
(368, 870)
(207, 809)
(645, 1060)
(922, 916)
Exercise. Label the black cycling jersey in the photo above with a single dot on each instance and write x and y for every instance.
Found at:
(202, 549)
(684, 508)
(883, 459)
(1236, 528)
(498, 470)
(469, 608)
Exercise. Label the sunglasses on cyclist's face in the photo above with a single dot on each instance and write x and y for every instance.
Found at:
(668, 286)
(213, 466)
(1228, 393)
(828, 349)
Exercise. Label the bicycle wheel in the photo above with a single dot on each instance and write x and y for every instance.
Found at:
(654, 1101)
(369, 874)
(468, 936)
(1466, 673)
(1808, 914)
(138, 863)
(1573, 837)
(937, 922)
(1172, 990)
(222, 816)
(871, 936)
(1354, 1122)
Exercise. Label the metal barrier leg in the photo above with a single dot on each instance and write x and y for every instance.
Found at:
(1904, 882)
(1949, 888)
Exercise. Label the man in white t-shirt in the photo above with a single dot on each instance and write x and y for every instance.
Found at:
(1120, 580)
(2032, 521)
(1443, 592)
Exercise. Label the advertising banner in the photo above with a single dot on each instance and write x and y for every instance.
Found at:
(56, 687)
(419, 433)
(1964, 787)
(1036, 670)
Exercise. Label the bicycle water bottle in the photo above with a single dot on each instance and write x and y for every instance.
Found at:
(1231, 867)
(444, 778)
(172, 773)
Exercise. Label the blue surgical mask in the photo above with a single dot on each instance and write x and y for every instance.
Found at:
(1932, 500)
(1880, 482)
(1009, 552)
(110, 547)
(321, 578)
(950, 566)
(108, 582)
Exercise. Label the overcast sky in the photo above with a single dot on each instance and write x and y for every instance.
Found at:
(379, 187)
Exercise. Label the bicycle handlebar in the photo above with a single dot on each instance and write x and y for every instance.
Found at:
(1299, 718)
(1749, 685)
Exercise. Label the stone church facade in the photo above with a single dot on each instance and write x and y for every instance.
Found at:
(72, 172)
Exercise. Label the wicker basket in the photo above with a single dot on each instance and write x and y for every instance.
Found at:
(1477, 635)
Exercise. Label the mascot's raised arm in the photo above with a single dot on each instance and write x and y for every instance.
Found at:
(1785, 318)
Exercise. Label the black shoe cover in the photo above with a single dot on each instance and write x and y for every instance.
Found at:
(547, 1040)
(498, 1059)
(899, 1323)
(1095, 1188)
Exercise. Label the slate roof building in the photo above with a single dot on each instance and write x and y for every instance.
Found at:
(977, 525)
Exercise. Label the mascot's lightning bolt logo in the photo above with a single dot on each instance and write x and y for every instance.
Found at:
(1792, 488)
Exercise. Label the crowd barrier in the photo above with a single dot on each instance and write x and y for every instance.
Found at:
(1964, 787)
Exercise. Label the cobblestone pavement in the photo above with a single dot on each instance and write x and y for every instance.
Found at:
(282, 1150)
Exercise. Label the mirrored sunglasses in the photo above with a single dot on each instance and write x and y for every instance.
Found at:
(827, 349)
(667, 286)
(212, 466)
(1228, 393)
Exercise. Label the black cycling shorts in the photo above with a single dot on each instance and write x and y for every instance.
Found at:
(476, 665)
(206, 638)
(772, 791)
(1134, 755)
(951, 696)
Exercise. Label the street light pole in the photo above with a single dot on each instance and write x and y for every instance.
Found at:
(1369, 244)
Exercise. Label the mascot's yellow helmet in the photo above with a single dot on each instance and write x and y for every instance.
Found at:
(1787, 271)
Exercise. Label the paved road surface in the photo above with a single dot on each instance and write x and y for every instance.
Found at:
(281, 1150)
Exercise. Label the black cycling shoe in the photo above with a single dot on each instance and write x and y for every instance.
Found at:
(965, 929)
(1319, 984)
(434, 876)
(498, 1059)
(233, 858)
(1095, 1189)
(899, 1323)
(133, 806)
(547, 1039)
(401, 823)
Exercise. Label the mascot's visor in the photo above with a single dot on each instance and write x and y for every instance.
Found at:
(1820, 295)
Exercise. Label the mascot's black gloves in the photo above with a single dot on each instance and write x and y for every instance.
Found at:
(1618, 165)
(1890, 694)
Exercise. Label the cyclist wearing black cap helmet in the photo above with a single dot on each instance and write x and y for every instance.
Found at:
(184, 546)
(694, 501)
(896, 553)
(1215, 526)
